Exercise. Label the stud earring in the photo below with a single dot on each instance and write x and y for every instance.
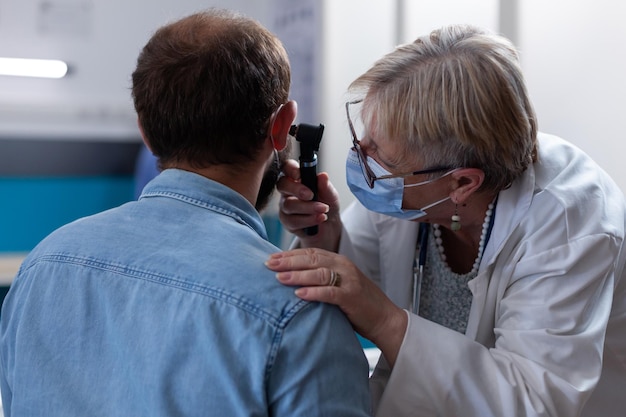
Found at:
(456, 220)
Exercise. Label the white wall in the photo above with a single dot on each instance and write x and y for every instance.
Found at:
(574, 57)
(421, 17)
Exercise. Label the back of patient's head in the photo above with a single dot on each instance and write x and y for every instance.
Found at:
(205, 87)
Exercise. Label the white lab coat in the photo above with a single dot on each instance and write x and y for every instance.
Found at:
(534, 342)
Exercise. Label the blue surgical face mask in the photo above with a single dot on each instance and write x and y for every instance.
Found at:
(386, 196)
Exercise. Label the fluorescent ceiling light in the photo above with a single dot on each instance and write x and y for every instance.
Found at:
(45, 68)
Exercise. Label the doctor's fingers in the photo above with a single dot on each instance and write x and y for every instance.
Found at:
(291, 169)
(313, 267)
(289, 206)
(289, 187)
(330, 278)
(288, 183)
(332, 286)
(295, 214)
(304, 259)
(328, 194)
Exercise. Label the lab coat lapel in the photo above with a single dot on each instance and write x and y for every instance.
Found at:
(397, 247)
(512, 204)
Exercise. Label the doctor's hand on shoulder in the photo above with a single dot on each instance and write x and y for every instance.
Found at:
(328, 277)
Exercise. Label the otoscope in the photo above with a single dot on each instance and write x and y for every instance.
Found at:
(309, 137)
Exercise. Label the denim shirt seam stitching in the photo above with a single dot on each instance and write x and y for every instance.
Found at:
(197, 202)
(285, 318)
(278, 321)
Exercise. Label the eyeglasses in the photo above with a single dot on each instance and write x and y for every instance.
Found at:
(369, 175)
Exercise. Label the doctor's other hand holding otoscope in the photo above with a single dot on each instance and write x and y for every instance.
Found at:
(484, 258)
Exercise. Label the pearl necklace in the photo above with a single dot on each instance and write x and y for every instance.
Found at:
(481, 244)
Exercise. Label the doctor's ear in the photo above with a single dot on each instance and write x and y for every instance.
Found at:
(467, 182)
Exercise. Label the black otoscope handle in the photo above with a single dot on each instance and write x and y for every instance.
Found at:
(309, 137)
(308, 177)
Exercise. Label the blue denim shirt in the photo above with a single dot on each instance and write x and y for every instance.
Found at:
(163, 307)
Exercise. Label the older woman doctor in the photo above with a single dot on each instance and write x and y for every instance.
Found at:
(483, 258)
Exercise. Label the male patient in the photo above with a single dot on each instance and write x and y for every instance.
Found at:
(163, 306)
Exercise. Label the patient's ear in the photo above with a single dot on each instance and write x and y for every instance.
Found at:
(282, 123)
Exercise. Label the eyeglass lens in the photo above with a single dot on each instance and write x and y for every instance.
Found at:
(368, 174)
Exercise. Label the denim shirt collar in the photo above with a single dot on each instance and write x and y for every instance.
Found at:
(203, 192)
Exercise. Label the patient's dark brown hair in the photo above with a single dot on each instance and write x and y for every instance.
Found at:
(205, 87)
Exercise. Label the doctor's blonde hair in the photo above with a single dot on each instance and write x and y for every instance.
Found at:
(456, 97)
